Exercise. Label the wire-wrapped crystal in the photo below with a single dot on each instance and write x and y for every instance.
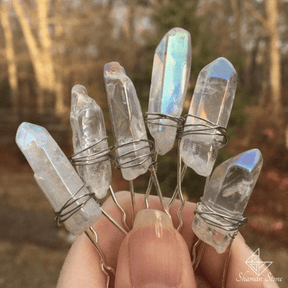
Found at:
(132, 149)
(212, 100)
(88, 128)
(56, 177)
(220, 212)
(170, 76)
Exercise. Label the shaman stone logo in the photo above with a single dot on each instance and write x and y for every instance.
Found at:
(256, 264)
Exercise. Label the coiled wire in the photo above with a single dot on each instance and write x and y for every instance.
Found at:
(118, 158)
(154, 118)
(80, 159)
(205, 128)
(63, 214)
(231, 224)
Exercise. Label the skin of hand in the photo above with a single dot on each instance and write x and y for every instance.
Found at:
(153, 254)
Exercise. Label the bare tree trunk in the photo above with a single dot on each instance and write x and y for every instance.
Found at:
(275, 56)
(129, 32)
(131, 22)
(236, 13)
(270, 23)
(41, 55)
(236, 8)
(10, 55)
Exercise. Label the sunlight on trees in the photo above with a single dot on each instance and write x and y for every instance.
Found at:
(68, 42)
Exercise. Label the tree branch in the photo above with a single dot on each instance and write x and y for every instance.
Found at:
(31, 41)
(45, 39)
(249, 7)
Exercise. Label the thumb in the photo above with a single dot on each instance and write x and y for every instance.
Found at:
(154, 254)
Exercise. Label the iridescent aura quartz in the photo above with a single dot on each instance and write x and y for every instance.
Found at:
(127, 122)
(227, 193)
(212, 100)
(170, 76)
(56, 176)
(88, 128)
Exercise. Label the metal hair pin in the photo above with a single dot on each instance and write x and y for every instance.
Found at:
(199, 135)
(121, 161)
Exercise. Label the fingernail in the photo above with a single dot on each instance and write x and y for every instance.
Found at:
(154, 259)
(152, 217)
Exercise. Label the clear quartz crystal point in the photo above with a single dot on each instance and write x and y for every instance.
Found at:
(127, 122)
(227, 193)
(88, 128)
(170, 76)
(212, 100)
(56, 176)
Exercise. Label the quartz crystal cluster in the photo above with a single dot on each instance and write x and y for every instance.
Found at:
(88, 128)
(56, 176)
(220, 212)
(127, 122)
(225, 198)
(212, 100)
(170, 76)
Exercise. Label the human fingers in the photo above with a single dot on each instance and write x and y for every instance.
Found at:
(81, 267)
(212, 264)
(106, 229)
(82, 264)
(154, 254)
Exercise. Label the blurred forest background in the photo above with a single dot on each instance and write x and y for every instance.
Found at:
(47, 46)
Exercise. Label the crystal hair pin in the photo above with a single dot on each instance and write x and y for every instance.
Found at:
(75, 196)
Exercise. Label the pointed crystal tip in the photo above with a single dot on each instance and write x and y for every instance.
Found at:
(56, 177)
(113, 68)
(248, 160)
(127, 122)
(236, 177)
(88, 129)
(27, 132)
(212, 100)
(79, 89)
(220, 68)
(169, 82)
(227, 193)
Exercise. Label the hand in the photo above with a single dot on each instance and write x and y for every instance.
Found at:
(153, 254)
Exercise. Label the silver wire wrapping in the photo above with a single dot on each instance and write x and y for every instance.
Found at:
(61, 216)
(157, 117)
(136, 161)
(232, 224)
(133, 162)
(93, 158)
(154, 118)
(206, 128)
